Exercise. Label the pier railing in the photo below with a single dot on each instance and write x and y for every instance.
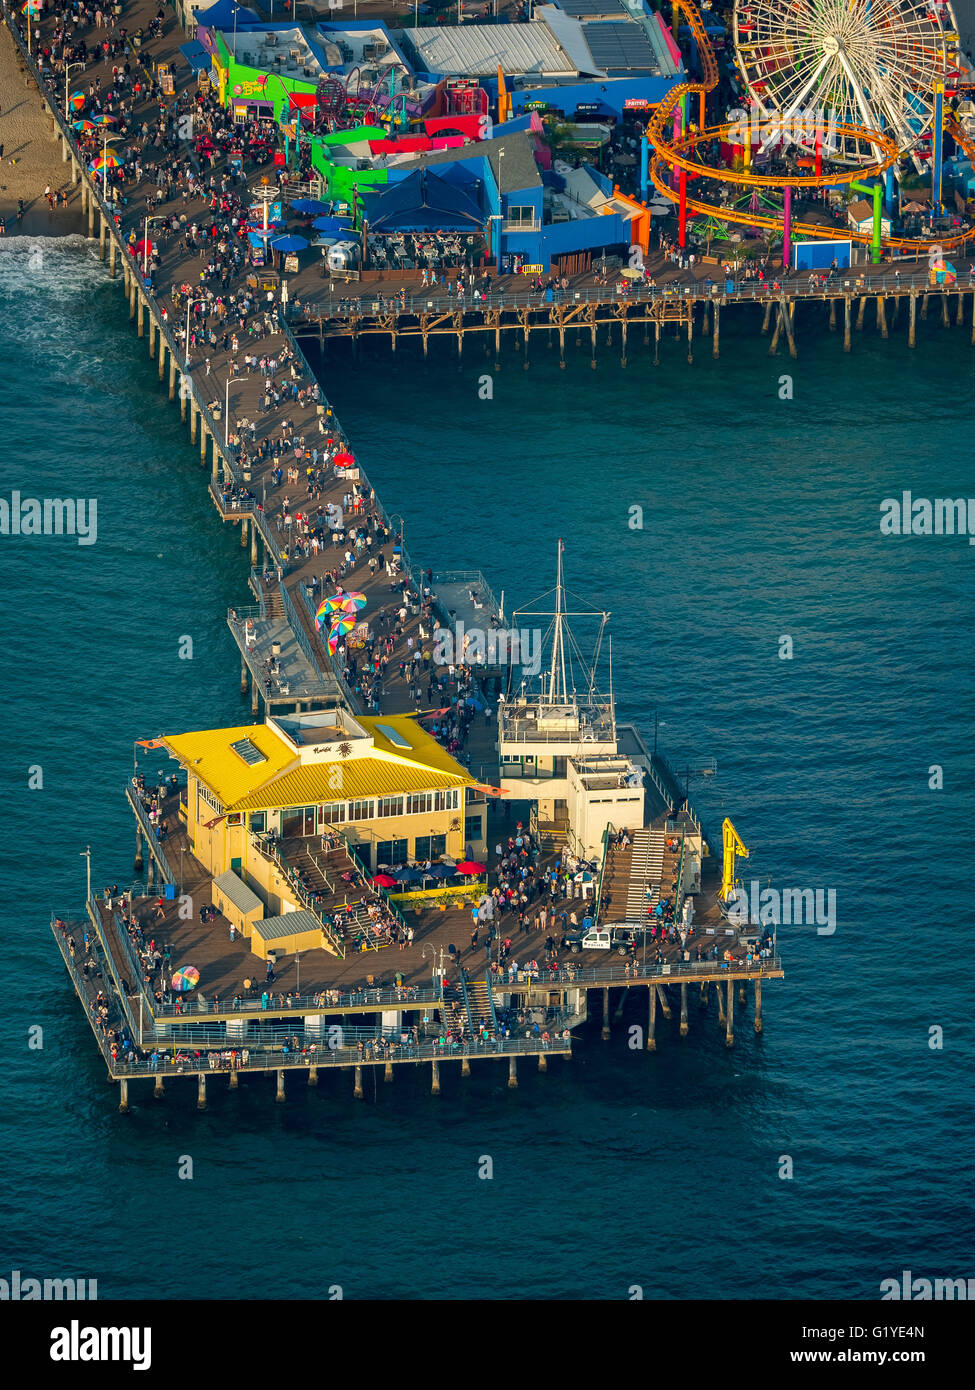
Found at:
(149, 831)
(640, 970)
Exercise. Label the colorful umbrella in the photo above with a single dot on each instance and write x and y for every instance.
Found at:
(104, 120)
(343, 623)
(384, 880)
(31, 7)
(352, 599)
(323, 611)
(77, 100)
(343, 460)
(106, 161)
(82, 125)
(187, 977)
(333, 642)
(468, 867)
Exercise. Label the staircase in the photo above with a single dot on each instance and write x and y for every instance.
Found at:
(629, 871)
(480, 1005)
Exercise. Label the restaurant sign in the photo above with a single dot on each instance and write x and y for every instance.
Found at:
(636, 104)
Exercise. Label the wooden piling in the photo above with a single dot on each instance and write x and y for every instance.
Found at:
(232, 1079)
(847, 309)
(959, 309)
(123, 1096)
(388, 1072)
(787, 311)
(768, 315)
(758, 1006)
(881, 316)
(716, 332)
(729, 1036)
(683, 1009)
(542, 1062)
(924, 306)
(172, 377)
(606, 1014)
(945, 316)
(652, 1021)
(357, 1083)
(832, 315)
(690, 333)
(313, 1076)
(158, 1089)
(861, 309)
(664, 1006)
(465, 1066)
(201, 1091)
(512, 1073)
(912, 322)
(656, 340)
(279, 1095)
(773, 346)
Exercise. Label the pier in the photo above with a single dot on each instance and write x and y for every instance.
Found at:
(388, 1000)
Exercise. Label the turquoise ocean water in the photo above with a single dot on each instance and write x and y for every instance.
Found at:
(618, 1169)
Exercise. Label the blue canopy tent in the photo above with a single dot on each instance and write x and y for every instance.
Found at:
(221, 16)
(304, 206)
(422, 202)
(196, 55)
(335, 225)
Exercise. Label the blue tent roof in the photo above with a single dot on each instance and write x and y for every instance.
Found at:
(196, 55)
(221, 15)
(422, 202)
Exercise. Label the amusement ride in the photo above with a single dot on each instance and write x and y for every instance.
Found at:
(857, 88)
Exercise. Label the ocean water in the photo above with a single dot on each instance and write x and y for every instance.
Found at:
(760, 522)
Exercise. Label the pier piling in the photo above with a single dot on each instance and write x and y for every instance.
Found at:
(112, 259)
(832, 315)
(152, 336)
(912, 323)
(945, 316)
(232, 1079)
(959, 309)
(388, 1072)
(512, 1073)
(729, 1036)
(664, 1005)
(768, 316)
(758, 1006)
(773, 346)
(861, 309)
(716, 331)
(652, 1020)
(683, 1009)
(102, 238)
(542, 1062)
(279, 1095)
(138, 864)
(465, 1067)
(141, 312)
(201, 1091)
(656, 343)
(924, 306)
(690, 334)
(123, 1098)
(605, 1015)
(847, 314)
(313, 1076)
(357, 1086)
(881, 316)
(172, 377)
(434, 1077)
(158, 1089)
(787, 311)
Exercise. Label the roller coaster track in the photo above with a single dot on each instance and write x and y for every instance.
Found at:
(677, 153)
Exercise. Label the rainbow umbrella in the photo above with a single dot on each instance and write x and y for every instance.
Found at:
(105, 120)
(77, 100)
(333, 642)
(323, 611)
(82, 125)
(105, 161)
(31, 7)
(352, 599)
(342, 622)
(187, 977)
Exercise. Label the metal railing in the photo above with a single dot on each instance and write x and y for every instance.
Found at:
(609, 830)
(149, 831)
(640, 969)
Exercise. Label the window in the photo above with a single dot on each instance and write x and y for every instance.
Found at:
(420, 804)
(391, 852)
(521, 216)
(332, 814)
(257, 820)
(209, 799)
(389, 806)
(360, 810)
(472, 828)
(430, 846)
(447, 800)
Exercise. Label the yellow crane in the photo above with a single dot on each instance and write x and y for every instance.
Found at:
(733, 847)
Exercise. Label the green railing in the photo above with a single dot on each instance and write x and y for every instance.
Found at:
(602, 870)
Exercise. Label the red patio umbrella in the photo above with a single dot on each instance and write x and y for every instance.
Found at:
(343, 460)
(383, 881)
(468, 867)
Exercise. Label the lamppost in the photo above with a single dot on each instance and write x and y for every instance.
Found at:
(106, 140)
(67, 73)
(86, 854)
(145, 242)
(189, 305)
(709, 770)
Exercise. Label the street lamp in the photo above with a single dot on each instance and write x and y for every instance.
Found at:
(189, 305)
(145, 243)
(67, 73)
(106, 140)
(86, 854)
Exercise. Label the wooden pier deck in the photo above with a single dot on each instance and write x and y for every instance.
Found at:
(287, 577)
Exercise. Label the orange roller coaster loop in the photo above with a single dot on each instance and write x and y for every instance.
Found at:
(674, 153)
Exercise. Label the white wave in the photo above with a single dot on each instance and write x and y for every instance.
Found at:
(24, 244)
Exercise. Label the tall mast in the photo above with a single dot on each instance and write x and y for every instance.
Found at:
(558, 653)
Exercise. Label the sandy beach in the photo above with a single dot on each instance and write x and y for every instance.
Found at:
(31, 159)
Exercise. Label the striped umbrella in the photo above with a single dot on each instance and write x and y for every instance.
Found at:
(82, 125)
(105, 161)
(76, 100)
(105, 120)
(343, 623)
(187, 977)
(352, 599)
(31, 7)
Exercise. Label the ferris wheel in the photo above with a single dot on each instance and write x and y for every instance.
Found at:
(871, 64)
